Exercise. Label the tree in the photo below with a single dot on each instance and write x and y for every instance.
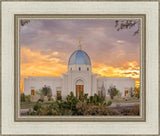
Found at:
(137, 92)
(127, 24)
(132, 92)
(23, 22)
(22, 97)
(103, 91)
(46, 91)
(112, 91)
(28, 98)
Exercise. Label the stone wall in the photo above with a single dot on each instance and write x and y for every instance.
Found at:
(121, 83)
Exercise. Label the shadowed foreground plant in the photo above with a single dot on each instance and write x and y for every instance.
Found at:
(130, 111)
(97, 110)
(81, 107)
(94, 105)
(134, 110)
(109, 103)
(22, 97)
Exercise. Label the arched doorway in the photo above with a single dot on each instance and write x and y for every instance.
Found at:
(79, 87)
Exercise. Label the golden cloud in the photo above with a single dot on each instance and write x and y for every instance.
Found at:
(129, 69)
(120, 41)
(33, 63)
(36, 63)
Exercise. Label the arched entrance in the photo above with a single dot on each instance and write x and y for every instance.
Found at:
(79, 87)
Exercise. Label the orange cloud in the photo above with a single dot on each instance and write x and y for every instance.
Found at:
(130, 69)
(36, 63)
(120, 41)
(33, 63)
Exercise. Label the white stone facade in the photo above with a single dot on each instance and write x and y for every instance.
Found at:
(37, 83)
(79, 75)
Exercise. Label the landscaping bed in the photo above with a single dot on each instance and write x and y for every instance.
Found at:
(81, 106)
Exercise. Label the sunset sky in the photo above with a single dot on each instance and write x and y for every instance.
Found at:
(46, 46)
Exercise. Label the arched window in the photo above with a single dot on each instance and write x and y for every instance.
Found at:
(87, 69)
(79, 68)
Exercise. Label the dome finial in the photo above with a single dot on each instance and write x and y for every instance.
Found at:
(79, 42)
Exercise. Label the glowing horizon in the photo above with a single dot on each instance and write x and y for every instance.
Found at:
(47, 45)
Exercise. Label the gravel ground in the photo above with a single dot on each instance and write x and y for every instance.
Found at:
(124, 104)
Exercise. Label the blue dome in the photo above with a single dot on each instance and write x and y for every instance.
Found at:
(79, 57)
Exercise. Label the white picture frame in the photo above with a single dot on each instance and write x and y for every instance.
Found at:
(149, 126)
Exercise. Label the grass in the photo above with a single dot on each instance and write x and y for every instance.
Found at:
(28, 105)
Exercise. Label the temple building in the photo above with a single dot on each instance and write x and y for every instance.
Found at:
(79, 78)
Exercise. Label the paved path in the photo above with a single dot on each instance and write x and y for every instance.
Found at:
(24, 111)
(121, 105)
(124, 104)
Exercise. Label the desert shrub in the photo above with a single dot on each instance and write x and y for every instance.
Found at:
(113, 91)
(68, 112)
(132, 92)
(81, 107)
(91, 99)
(117, 105)
(103, 110)
(86, 97)
(134, 110)
(46, 91)
(40, 100)
(96, 100)
(31, 112)
(44, 110)
(94, 105)
(119, 94)
(125, 111)
(83, 98)
(55, 108)
(50, 99)
(130, 111)
(48, 111)
(91, 110)
(28, 98)
(97, 110)
(109, 103)
(116, 92)
(114, 112)
(65, 107)
(71, 101)
(37, 106)
(59, 97)
(22, 97)
(137, 92)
